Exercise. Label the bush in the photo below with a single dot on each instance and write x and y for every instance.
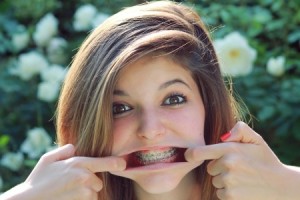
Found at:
(39, 38)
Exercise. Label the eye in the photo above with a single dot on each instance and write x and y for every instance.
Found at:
(119, 108)
(175, 99)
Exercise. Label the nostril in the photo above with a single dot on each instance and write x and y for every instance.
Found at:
(151, 126)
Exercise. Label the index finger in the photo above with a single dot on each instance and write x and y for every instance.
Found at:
(103, 164)
(208, 152)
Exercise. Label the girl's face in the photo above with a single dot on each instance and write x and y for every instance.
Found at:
(158, 114)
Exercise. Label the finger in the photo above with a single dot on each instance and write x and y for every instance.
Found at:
(61, 153)
(208, 152)
(214, 167)
(104, 164)
(221, 194)
(226, 163)
(81, 193)
(242, 133)
(96, 184)
(217, 182)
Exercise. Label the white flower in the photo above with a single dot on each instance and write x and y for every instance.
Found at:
(83, 17)
(275, 66)
(20, 40)
(54, 73)
(46, 28)
(48, 91)
(236, 57)
(29, 64)
(36, 143)
(56, 50)
(99, 19)
(12, 161)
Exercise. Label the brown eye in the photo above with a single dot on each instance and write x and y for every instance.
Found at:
(120, 108)
(175, 99)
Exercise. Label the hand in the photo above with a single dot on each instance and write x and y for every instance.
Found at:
(244, 167)
(60, 175)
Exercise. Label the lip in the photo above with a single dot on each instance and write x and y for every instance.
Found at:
(135, 163)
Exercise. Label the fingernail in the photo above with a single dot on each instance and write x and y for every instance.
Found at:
(187, 155)
(225, 136)
(121, 164)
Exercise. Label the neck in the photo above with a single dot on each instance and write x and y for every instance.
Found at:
(187, 189)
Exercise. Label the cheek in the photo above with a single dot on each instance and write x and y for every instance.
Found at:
(189, 123)
(122, 132)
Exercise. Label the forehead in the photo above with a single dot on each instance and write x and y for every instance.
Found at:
(153, 68)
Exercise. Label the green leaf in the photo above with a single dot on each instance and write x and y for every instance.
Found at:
(30, 163)
(266, 113)
(4, 140)
(294, 36)
(276, 25)
(296, 130)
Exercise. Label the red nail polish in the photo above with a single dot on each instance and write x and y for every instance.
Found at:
(225, 136)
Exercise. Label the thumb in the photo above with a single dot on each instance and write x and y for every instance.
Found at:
(208, 152)
(61, 153)
(242, 133)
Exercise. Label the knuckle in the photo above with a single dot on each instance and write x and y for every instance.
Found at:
(45, 157)
(259, 137)
(87, 193)
(84, 178)
(215, 182)
(231, 162)
(99, 186)
(73, 162)
(234, 147)
(228, 180)
(240, 126)
(210, 167)
(228, 195)
(225, 194)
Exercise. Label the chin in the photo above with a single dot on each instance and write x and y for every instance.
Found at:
(158, 170)
(164, 182)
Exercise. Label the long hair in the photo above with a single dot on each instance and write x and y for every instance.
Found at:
(84, 114)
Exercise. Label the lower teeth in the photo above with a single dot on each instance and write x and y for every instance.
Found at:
(155, 156)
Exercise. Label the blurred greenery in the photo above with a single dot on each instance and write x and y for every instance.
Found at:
(272, 28)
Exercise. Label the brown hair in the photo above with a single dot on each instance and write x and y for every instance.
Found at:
(84, 116)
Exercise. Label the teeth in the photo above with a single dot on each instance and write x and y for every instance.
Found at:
(149, 157)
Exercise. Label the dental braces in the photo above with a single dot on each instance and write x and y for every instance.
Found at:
(152, 156)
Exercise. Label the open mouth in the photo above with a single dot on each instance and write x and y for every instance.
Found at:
(151, 157)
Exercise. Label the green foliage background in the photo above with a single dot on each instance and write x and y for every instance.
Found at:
(272, 27)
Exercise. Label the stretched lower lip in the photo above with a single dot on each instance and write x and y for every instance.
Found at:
(154, 157)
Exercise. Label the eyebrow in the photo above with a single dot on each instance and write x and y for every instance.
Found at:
(172, 82)
(120, 93)
(163, 86)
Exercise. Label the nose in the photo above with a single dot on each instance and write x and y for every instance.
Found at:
(151, 125)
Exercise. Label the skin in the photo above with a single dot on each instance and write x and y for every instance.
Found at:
(245, 168)
(61, 175)
(147, 120)
(268, 178)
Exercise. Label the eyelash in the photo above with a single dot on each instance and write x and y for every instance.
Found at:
(181, 99)
(123, 108)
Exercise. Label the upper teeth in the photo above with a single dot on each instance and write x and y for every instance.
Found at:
(149, 157)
